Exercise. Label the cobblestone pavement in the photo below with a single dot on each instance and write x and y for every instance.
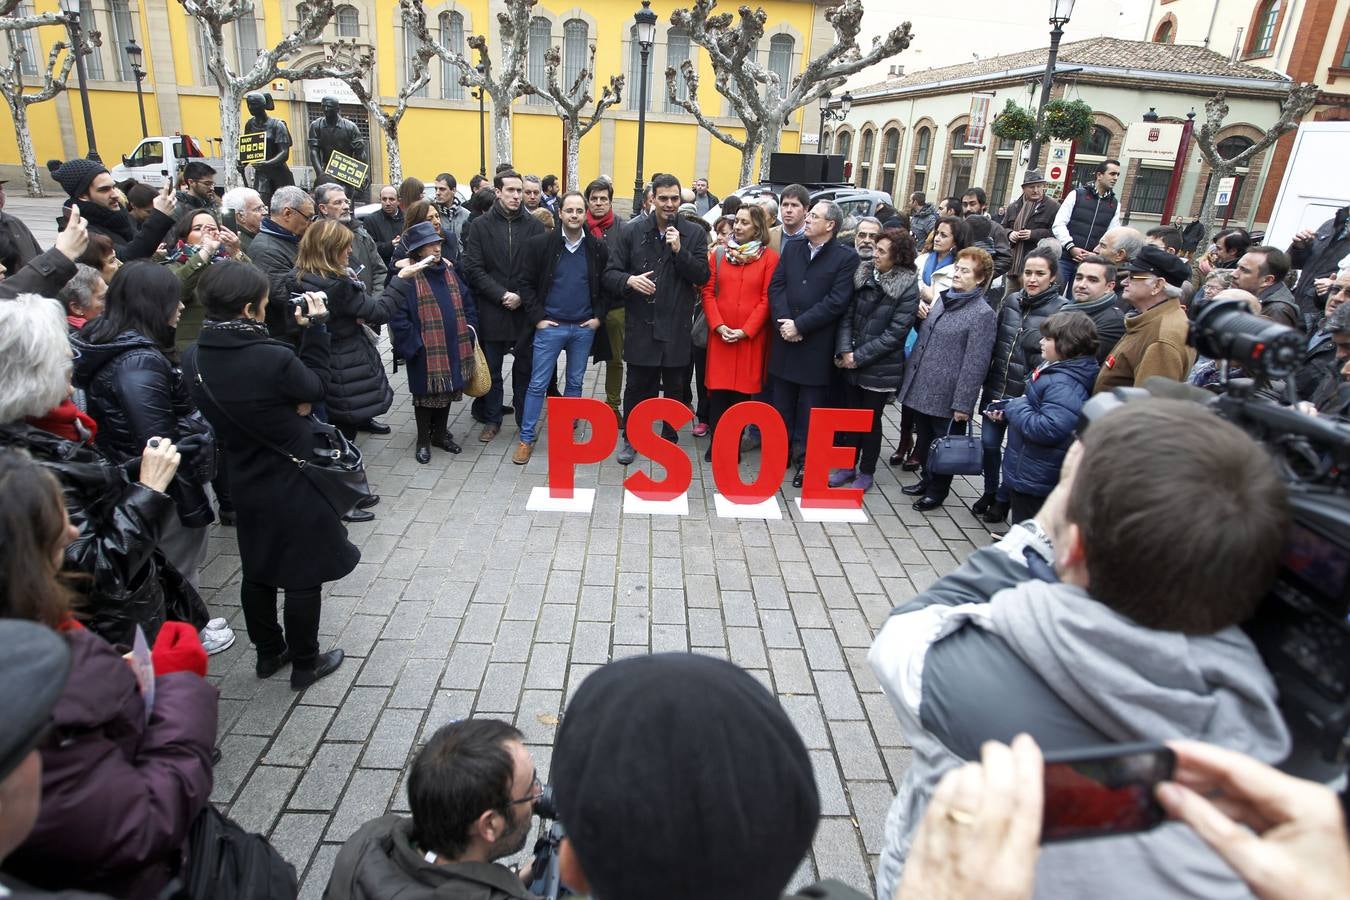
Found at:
(466, 604)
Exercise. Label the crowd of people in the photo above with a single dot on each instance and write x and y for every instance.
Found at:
(179, 358)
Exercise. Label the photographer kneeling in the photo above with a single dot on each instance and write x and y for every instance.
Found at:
(471, 791)
(1110, 618)
(257, 393)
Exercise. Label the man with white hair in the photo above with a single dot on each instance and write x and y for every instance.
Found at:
(1155, 338)
(1118, 246)
(249, 210)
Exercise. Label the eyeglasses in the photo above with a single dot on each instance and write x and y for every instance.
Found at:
(535, 788)
(1339, 289)
(205, 182)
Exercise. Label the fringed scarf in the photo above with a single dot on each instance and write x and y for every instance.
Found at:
(434, 338)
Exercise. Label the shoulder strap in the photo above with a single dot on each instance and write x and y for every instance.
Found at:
(717, 267)
(210, 395)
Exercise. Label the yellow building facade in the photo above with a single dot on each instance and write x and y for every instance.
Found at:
(440, 131)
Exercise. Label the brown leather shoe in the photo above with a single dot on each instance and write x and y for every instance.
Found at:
(488, 433)
(522, 455)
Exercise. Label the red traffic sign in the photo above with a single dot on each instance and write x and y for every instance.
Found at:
(1056, 173)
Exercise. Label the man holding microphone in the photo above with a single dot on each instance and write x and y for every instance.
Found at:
(657, 266)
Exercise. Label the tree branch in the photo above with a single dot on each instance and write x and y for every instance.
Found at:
(691, 105)
(53, 83)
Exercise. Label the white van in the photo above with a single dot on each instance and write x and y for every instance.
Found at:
(163, 156)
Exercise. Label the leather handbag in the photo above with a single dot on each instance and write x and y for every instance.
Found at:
(956, 454)
(335, 468)
(481, 382)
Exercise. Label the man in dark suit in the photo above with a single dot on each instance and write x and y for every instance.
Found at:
(809, 291)
(657, 266)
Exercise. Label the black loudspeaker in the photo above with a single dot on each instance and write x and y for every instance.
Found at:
(805, 168)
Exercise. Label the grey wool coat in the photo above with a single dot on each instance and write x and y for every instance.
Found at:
(951, 357)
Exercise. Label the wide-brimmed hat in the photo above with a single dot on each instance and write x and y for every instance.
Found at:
(420, 235)
(1033, 176)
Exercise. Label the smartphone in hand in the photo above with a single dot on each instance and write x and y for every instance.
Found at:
(1104, 791)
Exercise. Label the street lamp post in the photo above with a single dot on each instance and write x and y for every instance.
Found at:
(134, 54)
(645, 21)
(832, 114)
(1060, 12)
(482, 134)
(71, 9)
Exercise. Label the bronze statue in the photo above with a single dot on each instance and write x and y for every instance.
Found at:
(333, 132)
(272, 172)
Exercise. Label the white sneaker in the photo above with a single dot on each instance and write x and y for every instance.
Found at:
(217, 624)
(216, 640)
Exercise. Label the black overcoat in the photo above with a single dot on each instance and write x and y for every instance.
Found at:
(656, 328)
(814, 293)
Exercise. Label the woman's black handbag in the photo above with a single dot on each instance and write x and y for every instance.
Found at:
(335, 468)
(956, 454)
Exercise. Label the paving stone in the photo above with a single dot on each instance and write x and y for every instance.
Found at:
(323, 782)
(871, 801)
(319, 871)
(296, 835)
(294, 744)
(357, 714)
(804, 710)
(857, 751)
(393, 738)
(501, 687)
(262, 797)
(838, 854)
(466, 667)
(837, 696)
(238, 755)
(366, 797)
(790, 674)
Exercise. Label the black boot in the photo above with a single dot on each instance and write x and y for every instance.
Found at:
(303, 676)
(981, 505)
(997, 511)
(440, 431)
(422, 415)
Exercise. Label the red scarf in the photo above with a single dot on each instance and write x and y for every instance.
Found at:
(68, 422)
(598, 227)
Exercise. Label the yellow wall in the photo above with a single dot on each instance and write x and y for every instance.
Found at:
(436, 135)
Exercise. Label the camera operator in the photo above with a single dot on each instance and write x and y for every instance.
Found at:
(471, 791)
(1112, 617)
(1332, 396)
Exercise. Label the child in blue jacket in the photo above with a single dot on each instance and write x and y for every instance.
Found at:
(1041, 422)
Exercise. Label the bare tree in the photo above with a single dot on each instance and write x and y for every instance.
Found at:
(53, 82)
(756, 94)
(569, 105)
(213, 16)
(504, 87)
(1293, 108)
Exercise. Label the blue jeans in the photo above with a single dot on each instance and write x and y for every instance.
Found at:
(991, 441)
(1066, 270)
(549, 344)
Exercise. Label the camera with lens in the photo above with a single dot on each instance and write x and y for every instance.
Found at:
(545, 872)
(1302, 629)
(298, 302)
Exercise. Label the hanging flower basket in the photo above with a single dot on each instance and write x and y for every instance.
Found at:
(1067, 120)
(1015, 123)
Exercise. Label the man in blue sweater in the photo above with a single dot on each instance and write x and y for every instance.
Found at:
(561, 293)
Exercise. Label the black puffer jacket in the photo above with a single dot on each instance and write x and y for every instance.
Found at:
(135, 393)
(119, 523)
(129, 240)
(1017, 345)
(358, 389)
(874, 328)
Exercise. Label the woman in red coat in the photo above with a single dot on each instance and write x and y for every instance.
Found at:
(736, 302)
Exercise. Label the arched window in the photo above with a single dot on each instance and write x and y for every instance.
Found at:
(1166, 32)
(120, 12)
(923, 150)
(1263, 33)
(93, 63)
(890, 151)
(845, 143)
(962, 157)
(576, 50)
(246, 42)
(348, 22)
(865, 158)
(410, 49)
(634, 81)
(452, 38)
(203, 51)
(1097, 143)
(1230, 147)
(541, 32)
(677, 51)
(28, 57)
(780, 60)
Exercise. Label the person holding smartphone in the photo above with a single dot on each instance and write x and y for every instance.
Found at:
(1112, 617)
(257, 393)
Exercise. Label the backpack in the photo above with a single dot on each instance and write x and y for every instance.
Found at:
(224, 862)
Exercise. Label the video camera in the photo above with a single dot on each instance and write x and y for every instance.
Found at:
(545, 873)
(1301, 629)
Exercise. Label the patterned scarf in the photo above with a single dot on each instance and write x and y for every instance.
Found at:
(744, 254)
(598, 227)
(242, 324)
(439, 380)
(182, 252)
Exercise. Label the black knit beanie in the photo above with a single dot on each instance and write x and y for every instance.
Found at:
(681, 776)
(75, 175)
